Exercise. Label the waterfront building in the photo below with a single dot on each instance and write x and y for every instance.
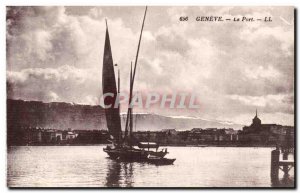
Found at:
(257, 127)
(170, 131)
(265, 133)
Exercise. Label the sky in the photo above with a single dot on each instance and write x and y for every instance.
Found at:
(234, 68)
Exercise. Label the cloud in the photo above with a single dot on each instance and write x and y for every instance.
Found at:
(270, 102)
(95, 13)
(261, 72)
(55, 54)
(53, 96)
(55, 84)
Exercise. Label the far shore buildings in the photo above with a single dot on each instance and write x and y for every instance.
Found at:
(266, 133)
(256, 134)
(27, 135)
(36, 135)
(258, 127)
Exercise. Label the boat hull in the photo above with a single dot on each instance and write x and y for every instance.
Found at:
(157, 153)
(131, 155)
(161, 161)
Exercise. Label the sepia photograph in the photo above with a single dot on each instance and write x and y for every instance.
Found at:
(150, 96)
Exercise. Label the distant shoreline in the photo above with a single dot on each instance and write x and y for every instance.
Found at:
(163, 145)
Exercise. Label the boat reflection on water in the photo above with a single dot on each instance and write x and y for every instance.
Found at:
(119, 174)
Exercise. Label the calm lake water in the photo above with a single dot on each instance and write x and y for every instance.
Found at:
(88, 166)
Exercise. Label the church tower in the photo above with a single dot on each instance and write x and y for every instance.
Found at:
(256, 122)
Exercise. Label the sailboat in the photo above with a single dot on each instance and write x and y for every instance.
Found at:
(122, 147)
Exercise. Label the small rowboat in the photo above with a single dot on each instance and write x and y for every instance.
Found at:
(160, 160)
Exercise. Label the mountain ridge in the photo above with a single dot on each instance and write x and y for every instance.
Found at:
(63, 115)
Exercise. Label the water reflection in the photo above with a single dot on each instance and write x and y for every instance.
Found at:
(53, 166)
(286, 181)
(119, 174)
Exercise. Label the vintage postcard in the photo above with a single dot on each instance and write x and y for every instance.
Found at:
(150, 96)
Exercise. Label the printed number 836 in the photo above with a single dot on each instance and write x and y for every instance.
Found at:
(183, 18)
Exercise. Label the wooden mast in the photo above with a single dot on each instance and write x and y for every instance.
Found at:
(129, 112)
(137, 52)
(119, 81)
(130, 117)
